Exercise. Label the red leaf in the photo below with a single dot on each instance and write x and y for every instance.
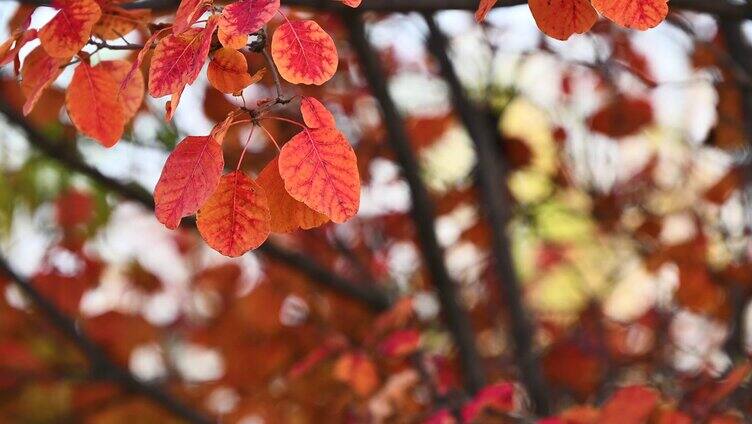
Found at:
(246, 17)
(498, 397)
(39, 71)
(400, 343)
(178, 59)
(188, 13)
(319, 168)
(635, 14)
(287, 214)
(137, 64)
(562, 18)
(70, 29)
(189, 177)
(622, 117)
(315, 114)
(116, 21)
(484, 7)
(358, 371)
(92, 104)
(304, 53)
(630, 405)
(235, 219)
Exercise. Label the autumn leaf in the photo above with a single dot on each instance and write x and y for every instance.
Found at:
(319, 168)
(116, 22)
(178, 59)
(315, 114)
(131, 96)
(92, 104)
(358, 371)
(245, 17)
(236, 217)
(38, 72)
(287, 214)
(172, 105)
(188, 13)
(139, 59)
(232, 41)
(70, 29)
(635, 14)
(10, 48)
(498, 397)
(228, 71)
(562, 18)
(304, 53)
(351, 3)
(633, 404)
(484, 7)
(400, 343)
(189, 177)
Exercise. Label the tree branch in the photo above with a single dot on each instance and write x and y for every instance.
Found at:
(723, 8)
(492, 181)
(422, 210)
(363, 292)
(102, 366)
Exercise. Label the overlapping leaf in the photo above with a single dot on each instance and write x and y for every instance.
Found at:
(70, 29)
(562, 18)
(38, 72)
(189, 177)
(484, 7)
(228, 71)
(92, 104)
(235, 219)
(131, 95)
(319, 168)
(188, 13)
(315, 114)
(244, 17)
(287, 214)
(635, 14)
(116, 22)
(304, 53)
(178, 59)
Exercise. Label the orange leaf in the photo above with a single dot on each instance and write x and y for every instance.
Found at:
(320, 169)
(39, 71)
(562, 18)
(178, 59)
(498, 397)
(188, 13)
(315, 114)
(70, 29)
(351, 3)
(635, 14)
(245, 17)
(93, 106)
(9, 49)
(189, 177)
(235, 219)
(357, 370)
(287, 214)
(116, 21)
(484, 7)
(400, 343)
(132, 94)
(172, 105)
(228, 71)
(232, 41)
(304, 53)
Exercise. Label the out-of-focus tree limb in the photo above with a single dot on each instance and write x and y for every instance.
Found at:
(492, 181)
(102, 367)
(422, 210)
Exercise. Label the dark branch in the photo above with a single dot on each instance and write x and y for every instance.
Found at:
(422, 210)
(65, 154)
(491, 176)
(102, 366)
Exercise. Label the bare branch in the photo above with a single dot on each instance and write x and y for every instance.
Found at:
(422, 210)
(491, 175)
